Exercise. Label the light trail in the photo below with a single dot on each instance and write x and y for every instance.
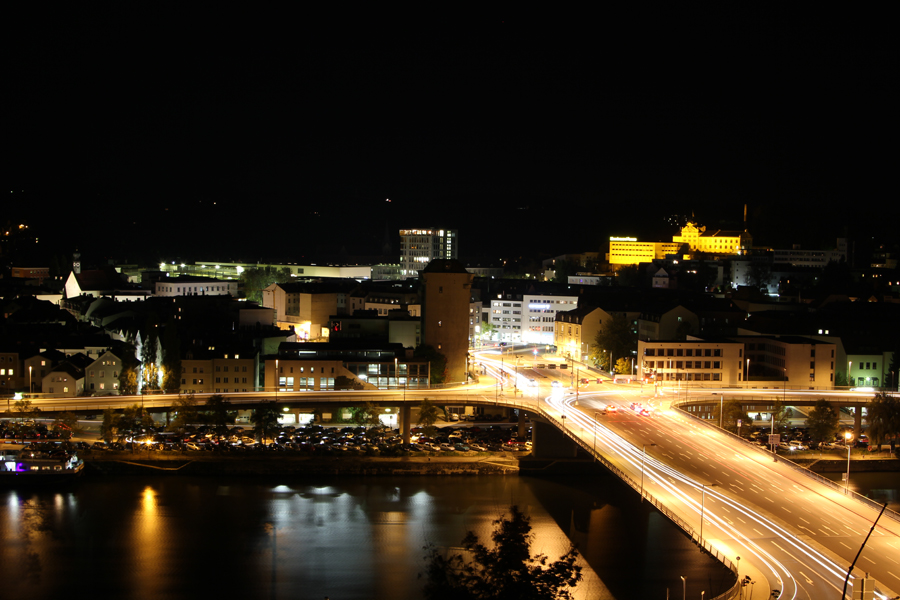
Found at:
(663, 476)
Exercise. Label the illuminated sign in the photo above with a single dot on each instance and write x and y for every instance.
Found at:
(623, 239)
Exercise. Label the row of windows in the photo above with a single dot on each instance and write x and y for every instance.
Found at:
(687, 364)
(235, 380)
(683, 352)
(860, 366)
(103, 373)
(690, 376)
(225, 369)
(115, 386)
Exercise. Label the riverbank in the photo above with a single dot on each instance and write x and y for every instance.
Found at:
(124, 463)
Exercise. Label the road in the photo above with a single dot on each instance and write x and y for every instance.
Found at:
(793, 533)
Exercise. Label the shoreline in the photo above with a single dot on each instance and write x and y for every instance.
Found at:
(199, 463)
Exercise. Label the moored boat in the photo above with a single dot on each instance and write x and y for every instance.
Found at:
(39, 462)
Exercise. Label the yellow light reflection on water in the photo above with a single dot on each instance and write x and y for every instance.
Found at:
(148, 544)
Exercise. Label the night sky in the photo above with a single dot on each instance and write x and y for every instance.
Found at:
(264, 137)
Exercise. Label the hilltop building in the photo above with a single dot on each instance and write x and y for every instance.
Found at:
(693, 239)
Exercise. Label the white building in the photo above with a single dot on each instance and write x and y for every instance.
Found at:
(196, 286)
(418, 247)
(528, 318)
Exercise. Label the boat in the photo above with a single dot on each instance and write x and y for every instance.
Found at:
(39, 462)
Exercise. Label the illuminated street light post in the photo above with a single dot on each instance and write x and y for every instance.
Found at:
(702, 506)
(848, 436)
(683, 588)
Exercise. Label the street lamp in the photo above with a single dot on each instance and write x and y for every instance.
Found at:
(683, 588)
(702, 506)
(30, 387)
(643, 454)
(848, 436)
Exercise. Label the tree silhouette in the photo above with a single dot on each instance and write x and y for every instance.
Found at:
(505, 571)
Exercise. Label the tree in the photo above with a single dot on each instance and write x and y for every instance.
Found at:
(487, 330)
(437, 360)
(342, 382)
(217, 413)
(884, 419)
(623, 365)
(110, 425)
(782, 416)
(823, 422)
(128, 376)
(256, 280)
(615, 337)
(840, 379)
(367, 415)
(149, 367)
(759, 275)
(185, 413)
(24, 409)
(171, 363)
(505, 571)
(66, 424)
(265, 421)
(734, 411)
(134, 417)
(428, 415)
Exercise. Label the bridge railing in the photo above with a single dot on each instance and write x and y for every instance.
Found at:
(800, 468)
(695, 537)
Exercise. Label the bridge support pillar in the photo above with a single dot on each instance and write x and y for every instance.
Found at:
(404, 423)
(550, 442)
(857, 421)
(522, 429)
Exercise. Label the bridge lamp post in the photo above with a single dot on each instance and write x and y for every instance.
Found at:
(643, 454)
(849, 437)
(683, 588)
(703, 505)
(564, 423)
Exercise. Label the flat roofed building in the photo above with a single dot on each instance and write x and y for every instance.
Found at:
(418, 247)
(304, 366)
(195, 286)
(718, 362)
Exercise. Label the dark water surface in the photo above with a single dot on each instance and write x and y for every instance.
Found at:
(341, 537)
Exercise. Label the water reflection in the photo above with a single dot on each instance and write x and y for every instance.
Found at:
(343, 537)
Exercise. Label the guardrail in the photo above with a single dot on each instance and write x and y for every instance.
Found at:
(695, 537)
(800, 468)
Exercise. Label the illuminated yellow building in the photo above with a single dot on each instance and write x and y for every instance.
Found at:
(629, 251)
(713, 242)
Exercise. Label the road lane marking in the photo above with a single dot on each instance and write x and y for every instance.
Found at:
(845, 545)
(758, 531)
(831, 530)
(785, 508)
(870, 560)
(804, 520)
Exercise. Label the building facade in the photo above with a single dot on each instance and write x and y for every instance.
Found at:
(446, 300)
(418, 247)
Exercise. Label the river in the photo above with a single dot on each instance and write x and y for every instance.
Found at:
(164, 537)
